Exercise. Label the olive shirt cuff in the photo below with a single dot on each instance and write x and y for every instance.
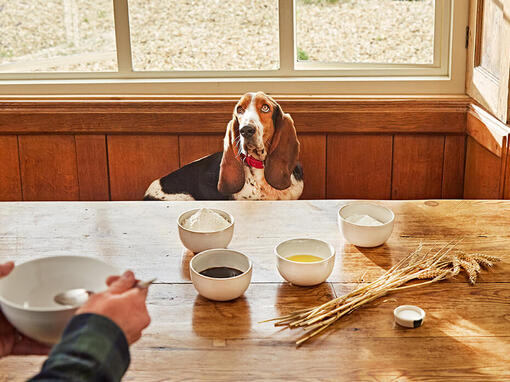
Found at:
(92, 348)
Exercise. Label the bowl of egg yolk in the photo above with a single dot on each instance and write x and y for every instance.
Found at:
(305, 262)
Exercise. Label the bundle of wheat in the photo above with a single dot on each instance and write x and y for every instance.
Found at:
(445, 263)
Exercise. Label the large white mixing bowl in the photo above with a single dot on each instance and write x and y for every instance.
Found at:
(26, 294)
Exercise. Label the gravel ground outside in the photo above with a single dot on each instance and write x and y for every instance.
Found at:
(56, 35)
(368, 31)
(78, 35)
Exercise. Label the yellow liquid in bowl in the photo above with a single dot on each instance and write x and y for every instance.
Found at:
(305, 258)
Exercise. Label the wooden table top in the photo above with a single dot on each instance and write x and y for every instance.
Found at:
(466, 333)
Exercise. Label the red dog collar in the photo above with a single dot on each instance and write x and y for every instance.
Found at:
(251, 161)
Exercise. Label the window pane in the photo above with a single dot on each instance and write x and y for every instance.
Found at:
(204, 34)
(57, 35)
(366, 31)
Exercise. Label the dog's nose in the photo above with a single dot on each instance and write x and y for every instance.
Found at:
(247, 131)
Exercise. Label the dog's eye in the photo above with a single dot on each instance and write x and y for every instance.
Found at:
(265, 108)
(240, 110)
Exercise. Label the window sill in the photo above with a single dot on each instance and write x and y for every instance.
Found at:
(208, 86)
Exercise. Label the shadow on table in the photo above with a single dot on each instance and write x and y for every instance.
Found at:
(380, 255)
(221, 320)
(186, 257)
(291, 297)
(455, 338)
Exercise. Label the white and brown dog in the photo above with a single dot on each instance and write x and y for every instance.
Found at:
(259, 160)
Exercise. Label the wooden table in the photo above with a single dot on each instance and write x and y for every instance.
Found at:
(466, 333)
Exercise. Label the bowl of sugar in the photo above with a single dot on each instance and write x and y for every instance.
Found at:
(205, 228)
(365, 224)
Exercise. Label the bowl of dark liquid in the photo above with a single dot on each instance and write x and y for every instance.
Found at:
(220, 274)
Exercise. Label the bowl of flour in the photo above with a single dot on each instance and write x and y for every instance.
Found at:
(205, 228)
(365, 224)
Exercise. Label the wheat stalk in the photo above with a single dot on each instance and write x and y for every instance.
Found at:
(431, 266)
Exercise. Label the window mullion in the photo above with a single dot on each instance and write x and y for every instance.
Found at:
(122, 36)
(286, 23)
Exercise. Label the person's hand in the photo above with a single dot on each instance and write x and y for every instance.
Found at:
(123, 303)
(11, 341)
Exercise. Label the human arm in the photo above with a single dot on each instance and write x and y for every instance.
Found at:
(95, 344)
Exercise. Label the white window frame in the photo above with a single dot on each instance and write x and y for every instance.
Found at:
(446, 75)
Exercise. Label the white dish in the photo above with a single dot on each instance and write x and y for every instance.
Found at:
(305, 274)
(220, 289)
(27, 293)
(200, 241)
(409, 316)
(364, 235)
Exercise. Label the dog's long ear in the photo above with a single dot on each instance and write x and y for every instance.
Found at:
(283, 152)
(231, 178)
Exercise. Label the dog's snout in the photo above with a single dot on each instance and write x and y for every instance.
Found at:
(247, 131)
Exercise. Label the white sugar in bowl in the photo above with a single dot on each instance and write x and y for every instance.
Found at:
(365, 224)
(198, 241)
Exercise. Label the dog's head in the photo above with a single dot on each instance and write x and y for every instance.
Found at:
(259, 128)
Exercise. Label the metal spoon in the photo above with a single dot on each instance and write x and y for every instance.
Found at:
(79, 296)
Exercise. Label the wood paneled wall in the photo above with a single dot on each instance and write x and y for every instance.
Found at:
(350, 148)
(134, 161)
(359, 166)
(10, 180)
(487, 158)
(120, 167)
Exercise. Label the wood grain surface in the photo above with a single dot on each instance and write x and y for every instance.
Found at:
(417, 166)
(141, 131)
(193, 147)
(48, 167)
(464, 336)
(335, 165)
(91, 157)
(123, 231)
(506, 194)
(486, 155)
(173, 115)
(10, 182)
(453, 167)
(359, 166)
(486, 130)
(427, 155)
(313, 159)
(136, 160)
(483, 172)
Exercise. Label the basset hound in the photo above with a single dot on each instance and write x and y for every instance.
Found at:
(259, 160)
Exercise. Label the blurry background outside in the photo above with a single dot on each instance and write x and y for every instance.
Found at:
(166, 35)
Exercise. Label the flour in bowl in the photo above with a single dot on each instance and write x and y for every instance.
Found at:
(205, 220)
(363, 220)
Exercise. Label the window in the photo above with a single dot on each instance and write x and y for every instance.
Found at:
(204, 35)
(366, 31)
(220, 46)
(57, 36)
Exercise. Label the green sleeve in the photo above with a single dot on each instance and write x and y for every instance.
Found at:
(92, 348)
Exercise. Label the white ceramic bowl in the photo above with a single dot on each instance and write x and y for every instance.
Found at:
(409, 316)
(200, 241)
(362, 235)
(305, 274)
(219, 289)
(26, 294)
